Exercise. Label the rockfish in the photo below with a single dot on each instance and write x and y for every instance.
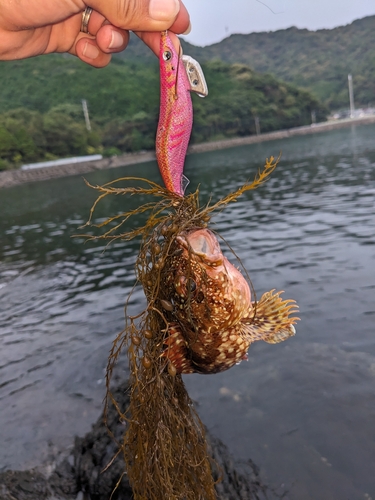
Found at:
(213, 319)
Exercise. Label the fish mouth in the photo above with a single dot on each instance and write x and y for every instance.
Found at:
(204, 244)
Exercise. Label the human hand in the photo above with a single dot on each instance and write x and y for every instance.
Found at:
(34, 27)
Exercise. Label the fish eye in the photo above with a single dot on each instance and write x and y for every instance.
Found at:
(167, 56)
(192, 285)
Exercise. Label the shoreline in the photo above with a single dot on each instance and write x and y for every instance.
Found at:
(10, 178)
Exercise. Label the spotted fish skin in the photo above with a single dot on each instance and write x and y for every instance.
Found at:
(175, 116)
(215, 320)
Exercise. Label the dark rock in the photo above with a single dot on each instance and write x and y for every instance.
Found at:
(26, 485)
(90, 475)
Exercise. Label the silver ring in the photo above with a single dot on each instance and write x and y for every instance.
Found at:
(85, 20)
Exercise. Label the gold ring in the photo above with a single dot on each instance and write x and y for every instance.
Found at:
(85, 20)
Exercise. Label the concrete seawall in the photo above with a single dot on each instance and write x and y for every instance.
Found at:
(14, 177)
(282, 134)
(10, 178)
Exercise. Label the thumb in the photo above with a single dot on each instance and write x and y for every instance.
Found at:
(142, 15)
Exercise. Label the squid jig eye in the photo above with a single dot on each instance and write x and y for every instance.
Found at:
(167, 56)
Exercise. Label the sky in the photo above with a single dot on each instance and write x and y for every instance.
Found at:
(213, 20)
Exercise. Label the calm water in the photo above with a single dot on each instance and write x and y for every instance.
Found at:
(303, 410)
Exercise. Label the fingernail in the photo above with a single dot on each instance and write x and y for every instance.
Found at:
(188, 30)
(164, 10)
(90, 51)
(116, 40)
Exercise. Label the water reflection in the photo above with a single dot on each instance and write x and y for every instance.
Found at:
(303, 410)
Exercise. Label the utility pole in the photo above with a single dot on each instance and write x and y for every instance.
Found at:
(257, 125)
(86, 114)
(351, 95)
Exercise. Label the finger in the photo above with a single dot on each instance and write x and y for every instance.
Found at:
(89, 52)
(111, 39)
(181, 24)
(108, 37)
(143, 15)
(96, 21)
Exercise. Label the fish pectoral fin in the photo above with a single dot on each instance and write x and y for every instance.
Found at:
(280, 335)
(271, 319)
(176, 350)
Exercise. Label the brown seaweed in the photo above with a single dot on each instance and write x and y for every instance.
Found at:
(164, 444)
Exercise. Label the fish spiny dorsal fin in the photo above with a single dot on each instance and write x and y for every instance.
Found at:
(272, 322)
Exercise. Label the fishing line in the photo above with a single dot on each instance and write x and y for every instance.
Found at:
(269, 8)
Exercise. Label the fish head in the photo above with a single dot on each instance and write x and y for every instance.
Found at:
(208, 290)
(212, 321)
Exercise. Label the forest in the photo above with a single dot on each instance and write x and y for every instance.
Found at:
(318, 61)
(41, 114)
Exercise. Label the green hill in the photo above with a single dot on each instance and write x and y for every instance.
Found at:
(318, 61)
(41, 115)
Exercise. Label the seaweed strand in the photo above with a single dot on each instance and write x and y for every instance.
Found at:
(164, 443)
